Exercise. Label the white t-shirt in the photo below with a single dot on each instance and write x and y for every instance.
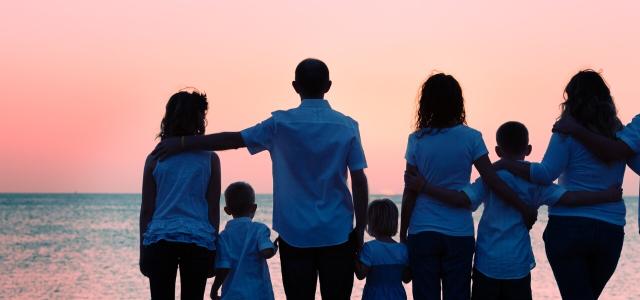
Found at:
(444, 157)
(238, 249)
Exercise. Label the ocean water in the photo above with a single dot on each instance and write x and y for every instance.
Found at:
(85, 246)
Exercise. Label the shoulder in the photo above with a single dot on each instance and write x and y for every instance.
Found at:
(469, 131)
(635, 122)
(343, 119)
(150, 163)
(215, 159)
(260, 226)
(367, 247)
(223, 235)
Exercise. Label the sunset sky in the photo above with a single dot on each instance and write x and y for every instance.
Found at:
(84, 83)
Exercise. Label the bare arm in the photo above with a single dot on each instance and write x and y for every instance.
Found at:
(213, 193)
(147, 206)
(360, 189)
(612, 194)
(221, 275)
(604, 148)
(493, 181)
(210, 142)
(408, 204)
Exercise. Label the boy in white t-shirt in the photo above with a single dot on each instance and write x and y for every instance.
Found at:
(243, 249)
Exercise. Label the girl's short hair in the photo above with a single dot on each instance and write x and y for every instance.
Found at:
(441, 103)
(382, 218)
(185, 114)
(588, 99)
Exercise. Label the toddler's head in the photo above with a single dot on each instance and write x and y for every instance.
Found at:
(382, 218)
(240, 200)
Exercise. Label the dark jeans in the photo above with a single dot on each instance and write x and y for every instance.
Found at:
(436, 257)
(301, 268)
(161, 261)
(583, 254)
(487, 288)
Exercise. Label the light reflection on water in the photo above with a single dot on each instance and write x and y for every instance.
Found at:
(82, 246)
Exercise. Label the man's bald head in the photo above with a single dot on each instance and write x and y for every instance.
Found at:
(312, 78)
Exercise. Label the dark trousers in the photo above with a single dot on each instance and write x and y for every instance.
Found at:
(583, 254)
(162, 260)
(436, 258)
(301, 268)
(487, 288)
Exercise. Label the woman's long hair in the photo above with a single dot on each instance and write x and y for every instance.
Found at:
(185, 115)
(441, 103)
(589, 101)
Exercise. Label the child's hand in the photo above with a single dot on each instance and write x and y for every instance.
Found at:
(614, 193)
(567, 125)
(413, 181)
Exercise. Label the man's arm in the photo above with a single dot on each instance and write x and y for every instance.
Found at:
(360, 189)
(148, 204)
(210, 142)
(493, 181)
(612, 194)
(221, 275)
(604, 148)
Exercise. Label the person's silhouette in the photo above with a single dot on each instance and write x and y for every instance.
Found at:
(312, 147)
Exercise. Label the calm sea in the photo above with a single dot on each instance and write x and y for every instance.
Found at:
(85, 246)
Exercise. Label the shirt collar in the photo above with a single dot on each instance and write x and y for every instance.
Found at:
(315, 103)
(240, 220)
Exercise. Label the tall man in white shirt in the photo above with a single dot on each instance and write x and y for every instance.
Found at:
(312, 147)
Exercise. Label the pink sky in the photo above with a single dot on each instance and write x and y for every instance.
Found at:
(84, 83)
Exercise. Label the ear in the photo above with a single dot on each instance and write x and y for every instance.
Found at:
(528, 151)
(227, 210)
(295, 86)
(253, 208)
(499, 151)
(328, 87)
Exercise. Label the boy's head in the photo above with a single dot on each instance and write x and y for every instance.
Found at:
(513, 141)
(382, 218)
(312, 79)
(240, 200)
